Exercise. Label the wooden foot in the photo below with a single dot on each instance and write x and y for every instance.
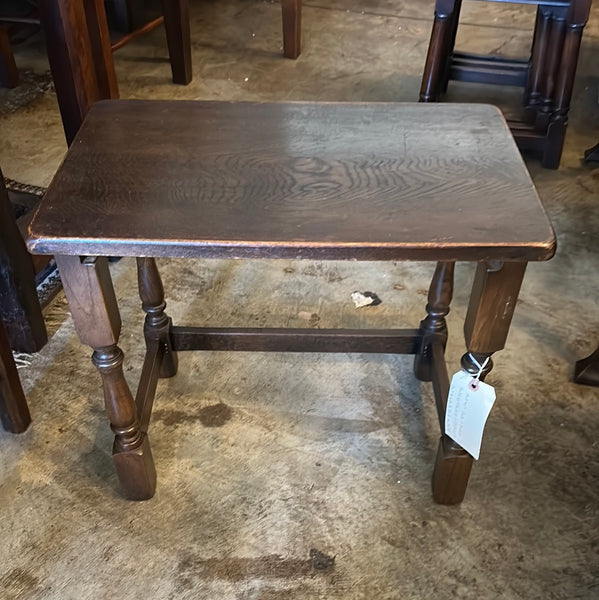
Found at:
(135, 470)
(586, 371)
(157, 324)
(292, 27)
(554, 144)
(433, 326)
(451, 472)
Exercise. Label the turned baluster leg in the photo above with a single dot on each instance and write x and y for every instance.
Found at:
(92, 303)
(556, 133)
(157, 324)
(555, 44)
(435, 66)
(494, 295)
(539, 50)
(433, 326)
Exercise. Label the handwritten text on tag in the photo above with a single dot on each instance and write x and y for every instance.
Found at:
(468, 405)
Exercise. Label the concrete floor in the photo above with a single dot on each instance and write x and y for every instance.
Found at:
(331, 453)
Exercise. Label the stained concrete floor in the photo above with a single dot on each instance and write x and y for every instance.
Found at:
(263, 459)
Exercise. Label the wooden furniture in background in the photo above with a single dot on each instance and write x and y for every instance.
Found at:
(441, 183)
(547, 76)
(291, 11)
(19, 306)
(14, 413)
(80, 53)
(9, 74)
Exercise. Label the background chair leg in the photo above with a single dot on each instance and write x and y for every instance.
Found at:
(292, 27)
(178, 38)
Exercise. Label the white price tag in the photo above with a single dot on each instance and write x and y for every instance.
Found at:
(468, 405)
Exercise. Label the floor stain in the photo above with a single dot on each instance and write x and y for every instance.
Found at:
(239, 569)
(215, 415)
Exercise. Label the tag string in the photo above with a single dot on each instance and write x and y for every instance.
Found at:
(478, 365)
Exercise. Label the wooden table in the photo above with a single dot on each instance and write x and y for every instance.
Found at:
(205, 180)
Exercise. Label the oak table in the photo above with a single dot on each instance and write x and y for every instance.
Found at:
(319, 181)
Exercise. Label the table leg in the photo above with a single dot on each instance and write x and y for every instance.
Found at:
(433, 326)
(492, 303)
(157, 324)
(178, 38)
(438, 49)
(291, 11)
(93, 304)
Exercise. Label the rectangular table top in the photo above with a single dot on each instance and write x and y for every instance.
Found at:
(293, 180)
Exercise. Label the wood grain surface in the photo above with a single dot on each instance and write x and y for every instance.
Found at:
(293, 180)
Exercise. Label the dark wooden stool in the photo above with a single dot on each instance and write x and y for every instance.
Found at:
(547, 76)
(205, 180)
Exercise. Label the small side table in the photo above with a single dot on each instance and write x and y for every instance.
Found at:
(321, 181)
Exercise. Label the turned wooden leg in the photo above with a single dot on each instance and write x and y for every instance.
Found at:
(92, 303)
(433, 326)
(157, 324)
(438, 51)
(494, 295)
(178, 38)
(539, 50)
(550, 65)
(556, 132)
(14, 412)
(292, 27)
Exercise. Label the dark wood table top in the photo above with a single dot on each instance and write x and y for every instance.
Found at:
(311, 180)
